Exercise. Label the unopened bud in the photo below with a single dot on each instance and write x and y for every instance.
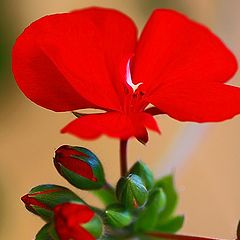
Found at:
(42, 199)
(131, 191)
(80, 167)
(141, 169)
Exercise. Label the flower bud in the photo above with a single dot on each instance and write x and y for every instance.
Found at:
(117, 216)
(76, 221)
(131, 191)
(141, 169)
(80, 167)
(42, 199)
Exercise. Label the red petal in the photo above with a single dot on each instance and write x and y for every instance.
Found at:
(29, 202)
(78, 213)
(68, 217)
(87, 47)
(39, 79)
(173, 48)
(199, 102)
(113, 124)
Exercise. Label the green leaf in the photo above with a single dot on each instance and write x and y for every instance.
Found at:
(141, 169)
(43, 234)
(148, 218)
(172, 225)
(167, 184)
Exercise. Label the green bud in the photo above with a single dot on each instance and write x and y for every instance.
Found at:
(80, 167)
(131, 191)
(141, 169)
(117, 216)
(42, 199)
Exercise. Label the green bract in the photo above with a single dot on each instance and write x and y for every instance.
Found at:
(172, 225)
(167, 184)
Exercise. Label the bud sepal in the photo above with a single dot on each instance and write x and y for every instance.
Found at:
(47, 232)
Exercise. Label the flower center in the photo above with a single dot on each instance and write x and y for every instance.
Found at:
(129, 78)
(134, 101)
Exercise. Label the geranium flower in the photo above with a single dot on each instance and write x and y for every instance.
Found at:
(70, 219)
(92, 58)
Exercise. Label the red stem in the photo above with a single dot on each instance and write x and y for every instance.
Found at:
(123, 157)
(178, 237)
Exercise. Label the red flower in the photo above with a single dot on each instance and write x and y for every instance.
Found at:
(91, 58)
(68, 220)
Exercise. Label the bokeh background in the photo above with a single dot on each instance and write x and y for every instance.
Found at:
(205, 158)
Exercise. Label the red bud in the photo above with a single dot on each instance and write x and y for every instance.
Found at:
(66, 156)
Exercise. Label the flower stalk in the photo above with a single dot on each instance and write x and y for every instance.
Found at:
(178, 237)
(123, 157)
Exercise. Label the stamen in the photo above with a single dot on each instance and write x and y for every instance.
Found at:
(129, 78)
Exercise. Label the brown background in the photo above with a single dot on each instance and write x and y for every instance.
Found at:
(205, 157)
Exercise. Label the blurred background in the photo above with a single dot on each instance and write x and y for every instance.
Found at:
(205, 158)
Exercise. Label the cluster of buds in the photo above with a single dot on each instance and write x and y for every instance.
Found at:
(137, 206)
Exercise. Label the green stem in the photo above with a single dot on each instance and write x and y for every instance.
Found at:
(178, 237)
(106, 194)
(123, 157)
